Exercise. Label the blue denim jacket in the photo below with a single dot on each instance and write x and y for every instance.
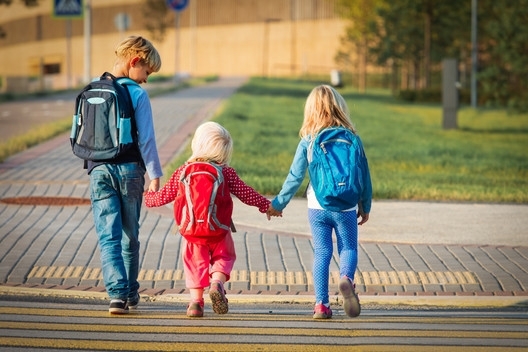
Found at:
(295, 176)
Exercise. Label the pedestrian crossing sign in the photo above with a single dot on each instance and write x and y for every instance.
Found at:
(68, 8)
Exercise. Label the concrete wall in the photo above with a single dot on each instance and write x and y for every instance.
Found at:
(216, 37)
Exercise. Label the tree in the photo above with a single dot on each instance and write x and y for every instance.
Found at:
(157, 18)
(410, 35)
(358, 34)
(504, 53)
(399, 39)
(27, 3)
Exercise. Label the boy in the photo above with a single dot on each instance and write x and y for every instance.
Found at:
(117, 185)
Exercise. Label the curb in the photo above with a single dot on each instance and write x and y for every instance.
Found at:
(460, 302)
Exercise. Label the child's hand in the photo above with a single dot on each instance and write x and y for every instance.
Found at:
(273, 212)
(154, 185)
(363, 218)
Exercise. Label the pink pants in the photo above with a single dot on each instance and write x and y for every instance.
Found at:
(201, 260)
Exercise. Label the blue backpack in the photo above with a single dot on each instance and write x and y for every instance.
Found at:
(335, 156)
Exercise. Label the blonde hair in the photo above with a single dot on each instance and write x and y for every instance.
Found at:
(213, 143)
(142, 48)
(324, 107)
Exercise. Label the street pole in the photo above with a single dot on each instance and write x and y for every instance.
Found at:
(474, 54)
(87, 42)
(68, 53)
(194, 38)
(177, 46)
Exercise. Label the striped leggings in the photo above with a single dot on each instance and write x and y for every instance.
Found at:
(322, 223)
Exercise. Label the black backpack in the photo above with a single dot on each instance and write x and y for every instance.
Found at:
(103, 126)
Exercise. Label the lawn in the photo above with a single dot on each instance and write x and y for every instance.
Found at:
(411, 156)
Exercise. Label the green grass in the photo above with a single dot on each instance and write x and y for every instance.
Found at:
(411, 156)
(42, 133)
(33, 137)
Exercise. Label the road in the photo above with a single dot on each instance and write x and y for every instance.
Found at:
(416, 253)
(66, 324)
(35, 113)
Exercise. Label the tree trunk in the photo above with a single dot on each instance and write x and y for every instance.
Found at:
(426, 76)
(362, 67)
(394, 76)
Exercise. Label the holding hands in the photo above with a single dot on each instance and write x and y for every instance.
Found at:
(362, 216)
(273, 212)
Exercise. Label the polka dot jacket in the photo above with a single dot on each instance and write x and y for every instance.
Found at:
(237, 187)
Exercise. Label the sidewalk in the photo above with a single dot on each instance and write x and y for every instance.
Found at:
(409, 251)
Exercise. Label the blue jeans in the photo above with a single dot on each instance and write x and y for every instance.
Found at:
(116, 192)
(322, 223)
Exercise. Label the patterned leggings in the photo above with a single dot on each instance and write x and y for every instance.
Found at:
(322, 222)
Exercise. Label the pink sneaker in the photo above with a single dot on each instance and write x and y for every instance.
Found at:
(351, 304)
(195, 309)
(218, 298)
(322, 312)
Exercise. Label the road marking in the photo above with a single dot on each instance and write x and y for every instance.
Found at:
(269, 278)
(335, 331)
(85, 328)
(202, 346)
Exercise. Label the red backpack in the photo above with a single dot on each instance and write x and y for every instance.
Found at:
(203, 207)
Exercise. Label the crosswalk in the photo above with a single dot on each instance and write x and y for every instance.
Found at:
(35, 326)
(269, 278)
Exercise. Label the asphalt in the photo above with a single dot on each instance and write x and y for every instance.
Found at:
(415, 253)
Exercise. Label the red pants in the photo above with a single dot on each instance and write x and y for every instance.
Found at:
(201, 260)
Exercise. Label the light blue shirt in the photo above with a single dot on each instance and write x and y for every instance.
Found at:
(145, 128)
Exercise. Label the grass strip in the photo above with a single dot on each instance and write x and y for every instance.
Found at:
(411, 156)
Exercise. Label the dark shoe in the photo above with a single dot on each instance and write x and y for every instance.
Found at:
(351, 304)
(133, 301)
(322, 312)
(118, 306)
(195, 309)
(218, 298)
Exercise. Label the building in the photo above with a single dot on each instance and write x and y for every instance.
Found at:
(209, 37)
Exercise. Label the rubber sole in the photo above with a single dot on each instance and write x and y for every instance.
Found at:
(218, 299)
(351, 304)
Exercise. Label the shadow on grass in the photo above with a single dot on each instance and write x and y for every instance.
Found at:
(376, 97)
(284, 88)
(300, 88)
(495, 130)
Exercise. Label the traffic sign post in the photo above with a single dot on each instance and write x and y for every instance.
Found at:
(122, 22)
(178, 6)
(67, 9)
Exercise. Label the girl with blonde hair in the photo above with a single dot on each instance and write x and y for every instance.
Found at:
(212, 259)
(325, 108)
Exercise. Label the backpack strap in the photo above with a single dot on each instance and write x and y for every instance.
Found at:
(125, 82)
(309, 152)
(107, 75)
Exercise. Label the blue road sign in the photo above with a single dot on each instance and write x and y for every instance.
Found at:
(177, 5)
(67, 8)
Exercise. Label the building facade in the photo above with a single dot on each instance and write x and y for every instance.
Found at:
(209, 37)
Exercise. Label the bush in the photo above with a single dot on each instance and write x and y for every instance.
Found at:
(431, 95)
